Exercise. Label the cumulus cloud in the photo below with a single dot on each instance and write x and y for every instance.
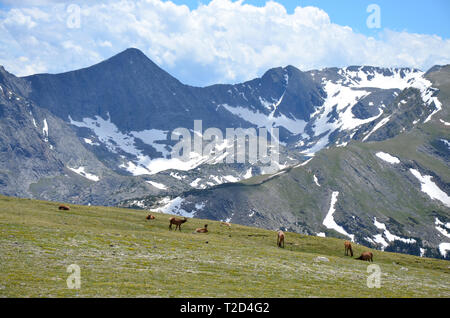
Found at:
(221, 42)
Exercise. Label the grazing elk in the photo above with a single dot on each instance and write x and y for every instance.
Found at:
(348, 247)
(150, 217)
(366, 256)
(225, 224)
(177, 222)
(63, 207)
(202, 229)
(280, 238)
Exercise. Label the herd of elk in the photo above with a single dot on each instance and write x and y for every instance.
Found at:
(177, 222)
(365, 256)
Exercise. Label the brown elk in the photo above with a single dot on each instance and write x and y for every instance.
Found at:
(348, 247)
(366, 256)
(225, 224)
(177, 222)
(202, 229)
(63, 207)
(150, 217)
(280, 238)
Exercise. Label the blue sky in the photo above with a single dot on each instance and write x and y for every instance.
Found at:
(223, 41)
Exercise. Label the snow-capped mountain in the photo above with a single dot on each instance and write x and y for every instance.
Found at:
(127, 107)
(104, 134)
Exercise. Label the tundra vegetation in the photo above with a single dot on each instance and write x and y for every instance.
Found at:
(121, 254)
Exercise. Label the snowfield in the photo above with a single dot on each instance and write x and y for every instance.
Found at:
(45, 130)
(389, 236)
(81, 171)
(430, 188)
(440, 227)
(295, 126)
(446, 142)
(90, 142)
(334, 114)
(316, 181)
(329, 220)
(380, 124)
(387, 157)
(443, 248)
(174, 207)
(157, 185)
(444, 122)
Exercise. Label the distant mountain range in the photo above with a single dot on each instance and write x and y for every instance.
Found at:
(364, 151)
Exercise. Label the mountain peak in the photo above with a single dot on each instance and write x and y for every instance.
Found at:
(129, 56)
(131, 52)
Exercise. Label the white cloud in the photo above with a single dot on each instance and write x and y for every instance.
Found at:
(222, 41)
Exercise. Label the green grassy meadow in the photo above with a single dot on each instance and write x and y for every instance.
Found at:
(121, 254)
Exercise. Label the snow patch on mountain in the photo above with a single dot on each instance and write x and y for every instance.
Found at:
(380, 124)
(378, 238)
(116, 141)
(81, 171)
(135, 170)
(194, 183)
(32, 119)
(388, 78)
(341, 98)
(389, 236)
(174, 207)
(266, 104)
(304, 163)
(248, 174)
(444, 122)
(157, 185)
(316, 181)
(329, 220)
(108, 134)
(354, 85)
(200, 206)
(422, 252)
(45, 130)
(446, 142)
(295, 126)
(387, 157)
(430, 188)
(90, 142)
(440, 227)
(230, 178)
(176, 176)
(151, 136)
(228, 220)
(322, 143)
(161, 164)
(443, 248)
